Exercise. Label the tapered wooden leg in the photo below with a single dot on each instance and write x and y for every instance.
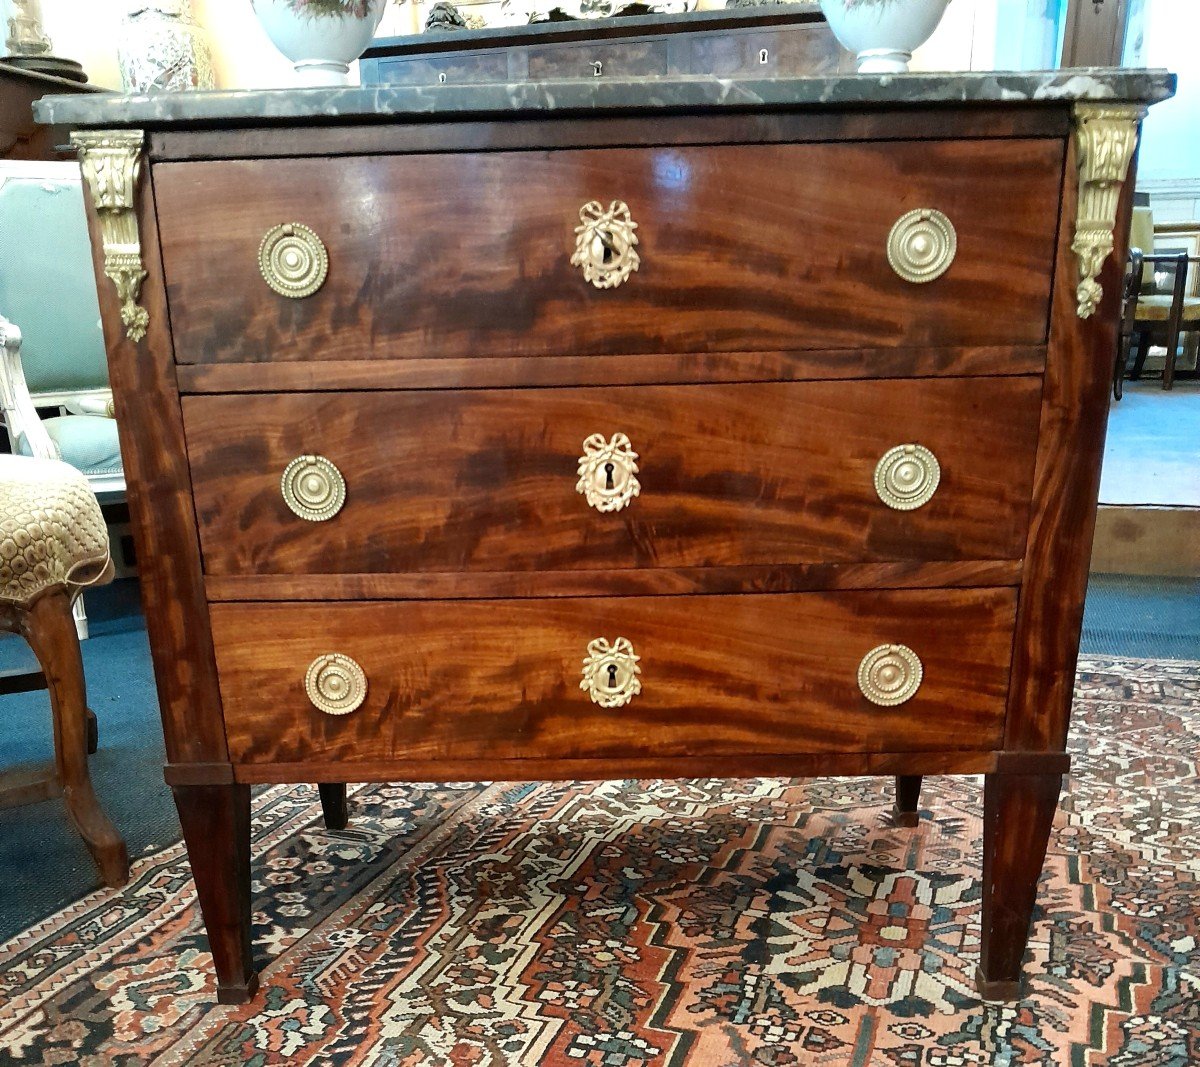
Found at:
(216, 828)
(908, 797)
(1143, 350)
(93, 733)
(333, 804)
(1018, 812)
(1172, 352)
(49, 628)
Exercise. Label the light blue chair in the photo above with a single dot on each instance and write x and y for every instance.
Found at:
(54, 391)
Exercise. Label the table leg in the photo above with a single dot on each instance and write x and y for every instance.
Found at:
(333, 804)
(1018, 812)
(216, 828)
(908, 798)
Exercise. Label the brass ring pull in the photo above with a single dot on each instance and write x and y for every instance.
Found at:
(293, 260)
(610, 673)
(335, 684)
(607, 472)
(921, 245)
(907, 476)
(889, 675)
(604, 244)
(313, 488)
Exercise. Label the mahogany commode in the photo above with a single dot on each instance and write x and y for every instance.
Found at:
(656, 428)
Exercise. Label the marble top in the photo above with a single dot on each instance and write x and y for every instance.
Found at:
(372, 103)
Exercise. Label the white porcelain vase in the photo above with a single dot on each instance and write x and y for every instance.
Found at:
(321, 37)
(883, 33)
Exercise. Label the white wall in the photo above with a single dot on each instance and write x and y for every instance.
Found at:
(1171, 135)
(243, 57)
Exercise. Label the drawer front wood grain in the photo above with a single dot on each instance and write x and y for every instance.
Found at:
(743, 248)
(455, 68)
(616, 59)
(719, 676)
(761, 53)
(486, 480)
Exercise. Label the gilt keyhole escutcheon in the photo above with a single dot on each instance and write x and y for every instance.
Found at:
(611, 672)
(607, 472)
(604, 244)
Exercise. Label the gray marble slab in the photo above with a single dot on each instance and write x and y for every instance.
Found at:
(372, 103)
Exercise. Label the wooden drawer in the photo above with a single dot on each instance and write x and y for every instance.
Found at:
(719, 675)
(454, 68)
(743, 248)
(486, 480)
(616, 59)
(751, 53)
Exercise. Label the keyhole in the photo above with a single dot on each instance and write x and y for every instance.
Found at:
(597, 68)
(762, 55)
(608, 476)
(612, 676)
(441, 78)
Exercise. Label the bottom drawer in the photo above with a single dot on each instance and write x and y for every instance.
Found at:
(715, 675)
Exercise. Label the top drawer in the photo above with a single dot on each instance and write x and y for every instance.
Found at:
(742, 248)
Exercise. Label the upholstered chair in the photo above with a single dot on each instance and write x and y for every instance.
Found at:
(1150, 315)
(53, 544)
(54, 391)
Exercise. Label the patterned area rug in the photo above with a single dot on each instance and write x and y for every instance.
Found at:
(644, 924)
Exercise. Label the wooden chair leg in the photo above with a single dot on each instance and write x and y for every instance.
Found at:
(216, 829)
(908, 797)
(49, 627)
(93, 733)
(333, 804)
(1018, 812)
(1172, 354)
(1124, 344)
(1143, 349)
(81, 620)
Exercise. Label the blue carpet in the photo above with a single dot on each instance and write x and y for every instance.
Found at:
(45, 866)
(1150, 618)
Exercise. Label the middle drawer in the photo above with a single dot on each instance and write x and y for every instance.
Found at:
(546, 479)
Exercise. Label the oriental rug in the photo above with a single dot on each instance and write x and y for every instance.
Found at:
(706, 923)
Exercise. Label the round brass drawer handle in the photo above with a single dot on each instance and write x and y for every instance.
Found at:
(604, 244)
(889, 675)
(608, 472)
(313, 488)
(335, 684)
(907, 476)
(922, 245)
(610, 673)
(293, 260)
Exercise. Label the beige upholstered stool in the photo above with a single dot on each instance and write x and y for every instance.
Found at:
(53, 543)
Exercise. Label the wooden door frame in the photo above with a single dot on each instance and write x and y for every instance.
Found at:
(1095, 33)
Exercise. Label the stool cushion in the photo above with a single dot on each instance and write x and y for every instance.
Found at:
(1158, 308)
(88, 442)
(51, 530)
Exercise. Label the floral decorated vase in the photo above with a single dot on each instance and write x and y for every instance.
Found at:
(321, 37)
(162, 48)
(883, 33)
